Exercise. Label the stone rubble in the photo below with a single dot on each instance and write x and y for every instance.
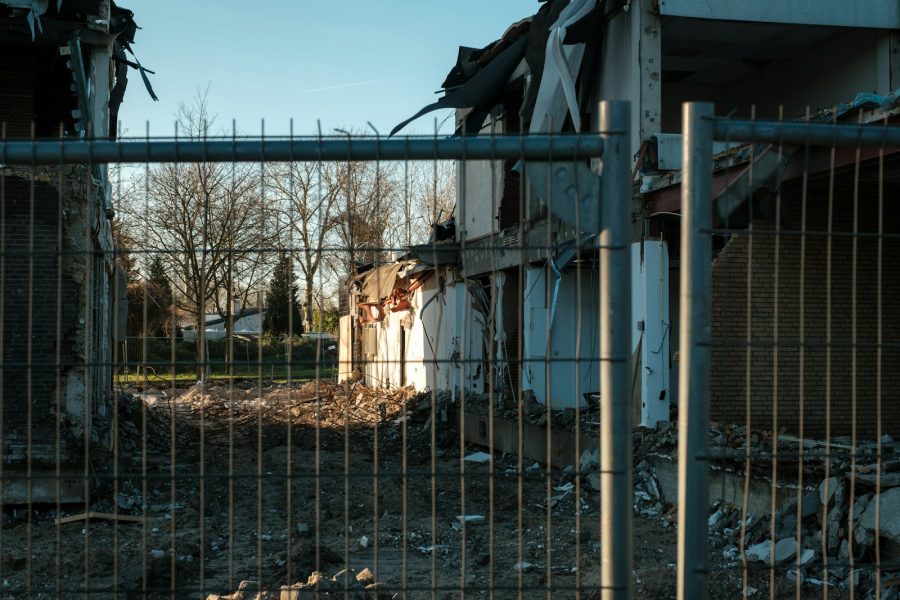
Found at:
(836, 524)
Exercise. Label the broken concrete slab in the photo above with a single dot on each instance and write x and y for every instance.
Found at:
(765, 552)
(478, 457)
(810, 504)
(889, 525)
(831, 487)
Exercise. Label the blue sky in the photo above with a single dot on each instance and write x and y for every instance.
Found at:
(342, 61)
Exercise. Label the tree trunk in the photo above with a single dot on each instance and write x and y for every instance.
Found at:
(200, 353)
(308, 309)
(229, 325)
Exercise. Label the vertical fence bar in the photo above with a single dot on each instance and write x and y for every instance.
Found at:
(615, 391)
(694, 367)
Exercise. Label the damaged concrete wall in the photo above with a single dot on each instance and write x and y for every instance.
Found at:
(729, 306)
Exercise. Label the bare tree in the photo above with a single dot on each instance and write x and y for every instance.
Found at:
(367, 195)
(309, 194)
(429, 198)
(208, 223)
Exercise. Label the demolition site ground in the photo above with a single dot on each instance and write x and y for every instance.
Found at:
(237, 492)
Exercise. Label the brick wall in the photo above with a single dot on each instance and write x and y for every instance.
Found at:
(17, 85)
(730, 306)
(18, 229)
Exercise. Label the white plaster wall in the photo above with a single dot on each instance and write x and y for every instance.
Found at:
(573, 368)
(651, 327)
(418, 373)
(345, 347)
(443, 347)
(480, 190)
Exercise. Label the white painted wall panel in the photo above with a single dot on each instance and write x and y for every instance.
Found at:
(651, 328)
(571, 369)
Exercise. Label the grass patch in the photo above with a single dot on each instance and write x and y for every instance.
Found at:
(184, 377)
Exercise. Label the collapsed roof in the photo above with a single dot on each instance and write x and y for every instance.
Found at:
(538, 59)
(72, 25)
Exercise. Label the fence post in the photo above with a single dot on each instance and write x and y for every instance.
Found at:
(615, 318)
(693, 393)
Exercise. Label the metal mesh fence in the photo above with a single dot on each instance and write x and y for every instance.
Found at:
(420, 368)
(789, 346)
(293, 367)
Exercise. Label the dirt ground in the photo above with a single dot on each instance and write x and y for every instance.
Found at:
(272, 486)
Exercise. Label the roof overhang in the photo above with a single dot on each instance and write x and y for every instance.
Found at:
(875, 14)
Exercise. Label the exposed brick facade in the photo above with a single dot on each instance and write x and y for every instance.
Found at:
(17, 74)
(756, 258)
(33, 277)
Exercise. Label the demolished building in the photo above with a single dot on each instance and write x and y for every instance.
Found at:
(63, 74)
(514, 232)
(414, 325)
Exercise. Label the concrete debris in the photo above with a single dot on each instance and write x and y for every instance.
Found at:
(766, 552)
(810, 504)
(346, 583)
(478, 457)
(523, 566)
(472, 519)
(831, 488)
(888, 503)
(648, 500)
(824, 510)
(590, 460)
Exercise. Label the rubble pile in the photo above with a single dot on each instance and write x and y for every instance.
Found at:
(823, 534)
(314, 403)
(648, 498)
(347, 584)
(836, 542)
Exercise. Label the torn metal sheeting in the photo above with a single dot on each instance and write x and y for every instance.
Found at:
(482, 90)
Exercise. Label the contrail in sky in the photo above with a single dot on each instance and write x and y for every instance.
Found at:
(347, 85)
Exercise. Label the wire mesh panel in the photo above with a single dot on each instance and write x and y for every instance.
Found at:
(792, 354)
(316, 367)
